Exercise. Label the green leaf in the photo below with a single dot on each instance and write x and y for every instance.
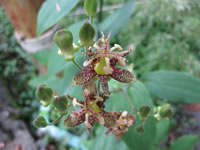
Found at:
(162, 130)
(186, 142)
(141, 141)
(118, 20)
(42, 56)
(108, 142)
(173, 86)
(139, 96)
(52, 11)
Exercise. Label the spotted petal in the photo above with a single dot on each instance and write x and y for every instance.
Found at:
(104, 82)
(84, 76)
(89, 89)
(122, 75)
(75, 118)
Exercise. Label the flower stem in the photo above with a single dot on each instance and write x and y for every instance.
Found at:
(76, 64)
(92, 20)
(129, 101)
(56, 121)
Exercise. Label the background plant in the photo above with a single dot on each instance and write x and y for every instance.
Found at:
(178, 42)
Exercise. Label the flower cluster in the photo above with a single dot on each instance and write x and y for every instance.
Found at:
(102, 65)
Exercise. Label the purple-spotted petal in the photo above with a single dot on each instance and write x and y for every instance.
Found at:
(104, 82)
(75, 118)
(84, 76)
(122, 75)
(89, 89)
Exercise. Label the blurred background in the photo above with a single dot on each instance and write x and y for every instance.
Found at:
(165, 35)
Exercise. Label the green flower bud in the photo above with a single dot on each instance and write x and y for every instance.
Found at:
(40, 122)
(144, 112)
(139, 129)
(64, 40)
(90, 7)
(61, 104)
(86, 34)
(44, 94)
(165, 111)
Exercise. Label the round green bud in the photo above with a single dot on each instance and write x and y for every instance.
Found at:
(40, 122)
(64, 40)
(61, 104)
(44, 94)
(139, 129)
(144, 111)
(86, 34)
(166, 111)
(90, 7)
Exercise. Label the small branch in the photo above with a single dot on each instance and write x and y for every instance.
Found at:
(129, 101)
(76, 64)
(56, 121)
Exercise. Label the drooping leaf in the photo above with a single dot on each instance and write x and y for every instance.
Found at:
(115, 22)
(173, 86)
(52, 11)
(186, 142)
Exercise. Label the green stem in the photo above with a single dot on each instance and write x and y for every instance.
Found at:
(56, 121)
(76, 64)
(92, 20)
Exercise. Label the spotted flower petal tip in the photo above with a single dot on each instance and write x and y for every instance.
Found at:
(123, 75)
(83, 77)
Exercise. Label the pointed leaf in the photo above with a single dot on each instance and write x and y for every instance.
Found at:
(173, 86)
(186, 142)
(112, 23)
(52, 11)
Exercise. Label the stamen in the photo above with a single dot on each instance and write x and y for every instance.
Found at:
(75, 103)
(101, 120)
(87, 121)
(87, 62)
(122, 61)
(98, 99)
(123, 115)
(86, 92)
(108, 70)
(116, 46)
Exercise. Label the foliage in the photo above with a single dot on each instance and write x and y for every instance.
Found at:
(165, 35)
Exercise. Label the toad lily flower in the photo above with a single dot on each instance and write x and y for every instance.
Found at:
(102, 64)
(92, 111)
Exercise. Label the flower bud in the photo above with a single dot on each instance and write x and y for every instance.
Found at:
(61, 104)
(90, 7)
(165, 111)
(40, 122)
(64, 40)
(139, 129)
(86, 34)
(44, 94)
(144, 112)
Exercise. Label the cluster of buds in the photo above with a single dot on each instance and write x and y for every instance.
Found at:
(100, 65)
